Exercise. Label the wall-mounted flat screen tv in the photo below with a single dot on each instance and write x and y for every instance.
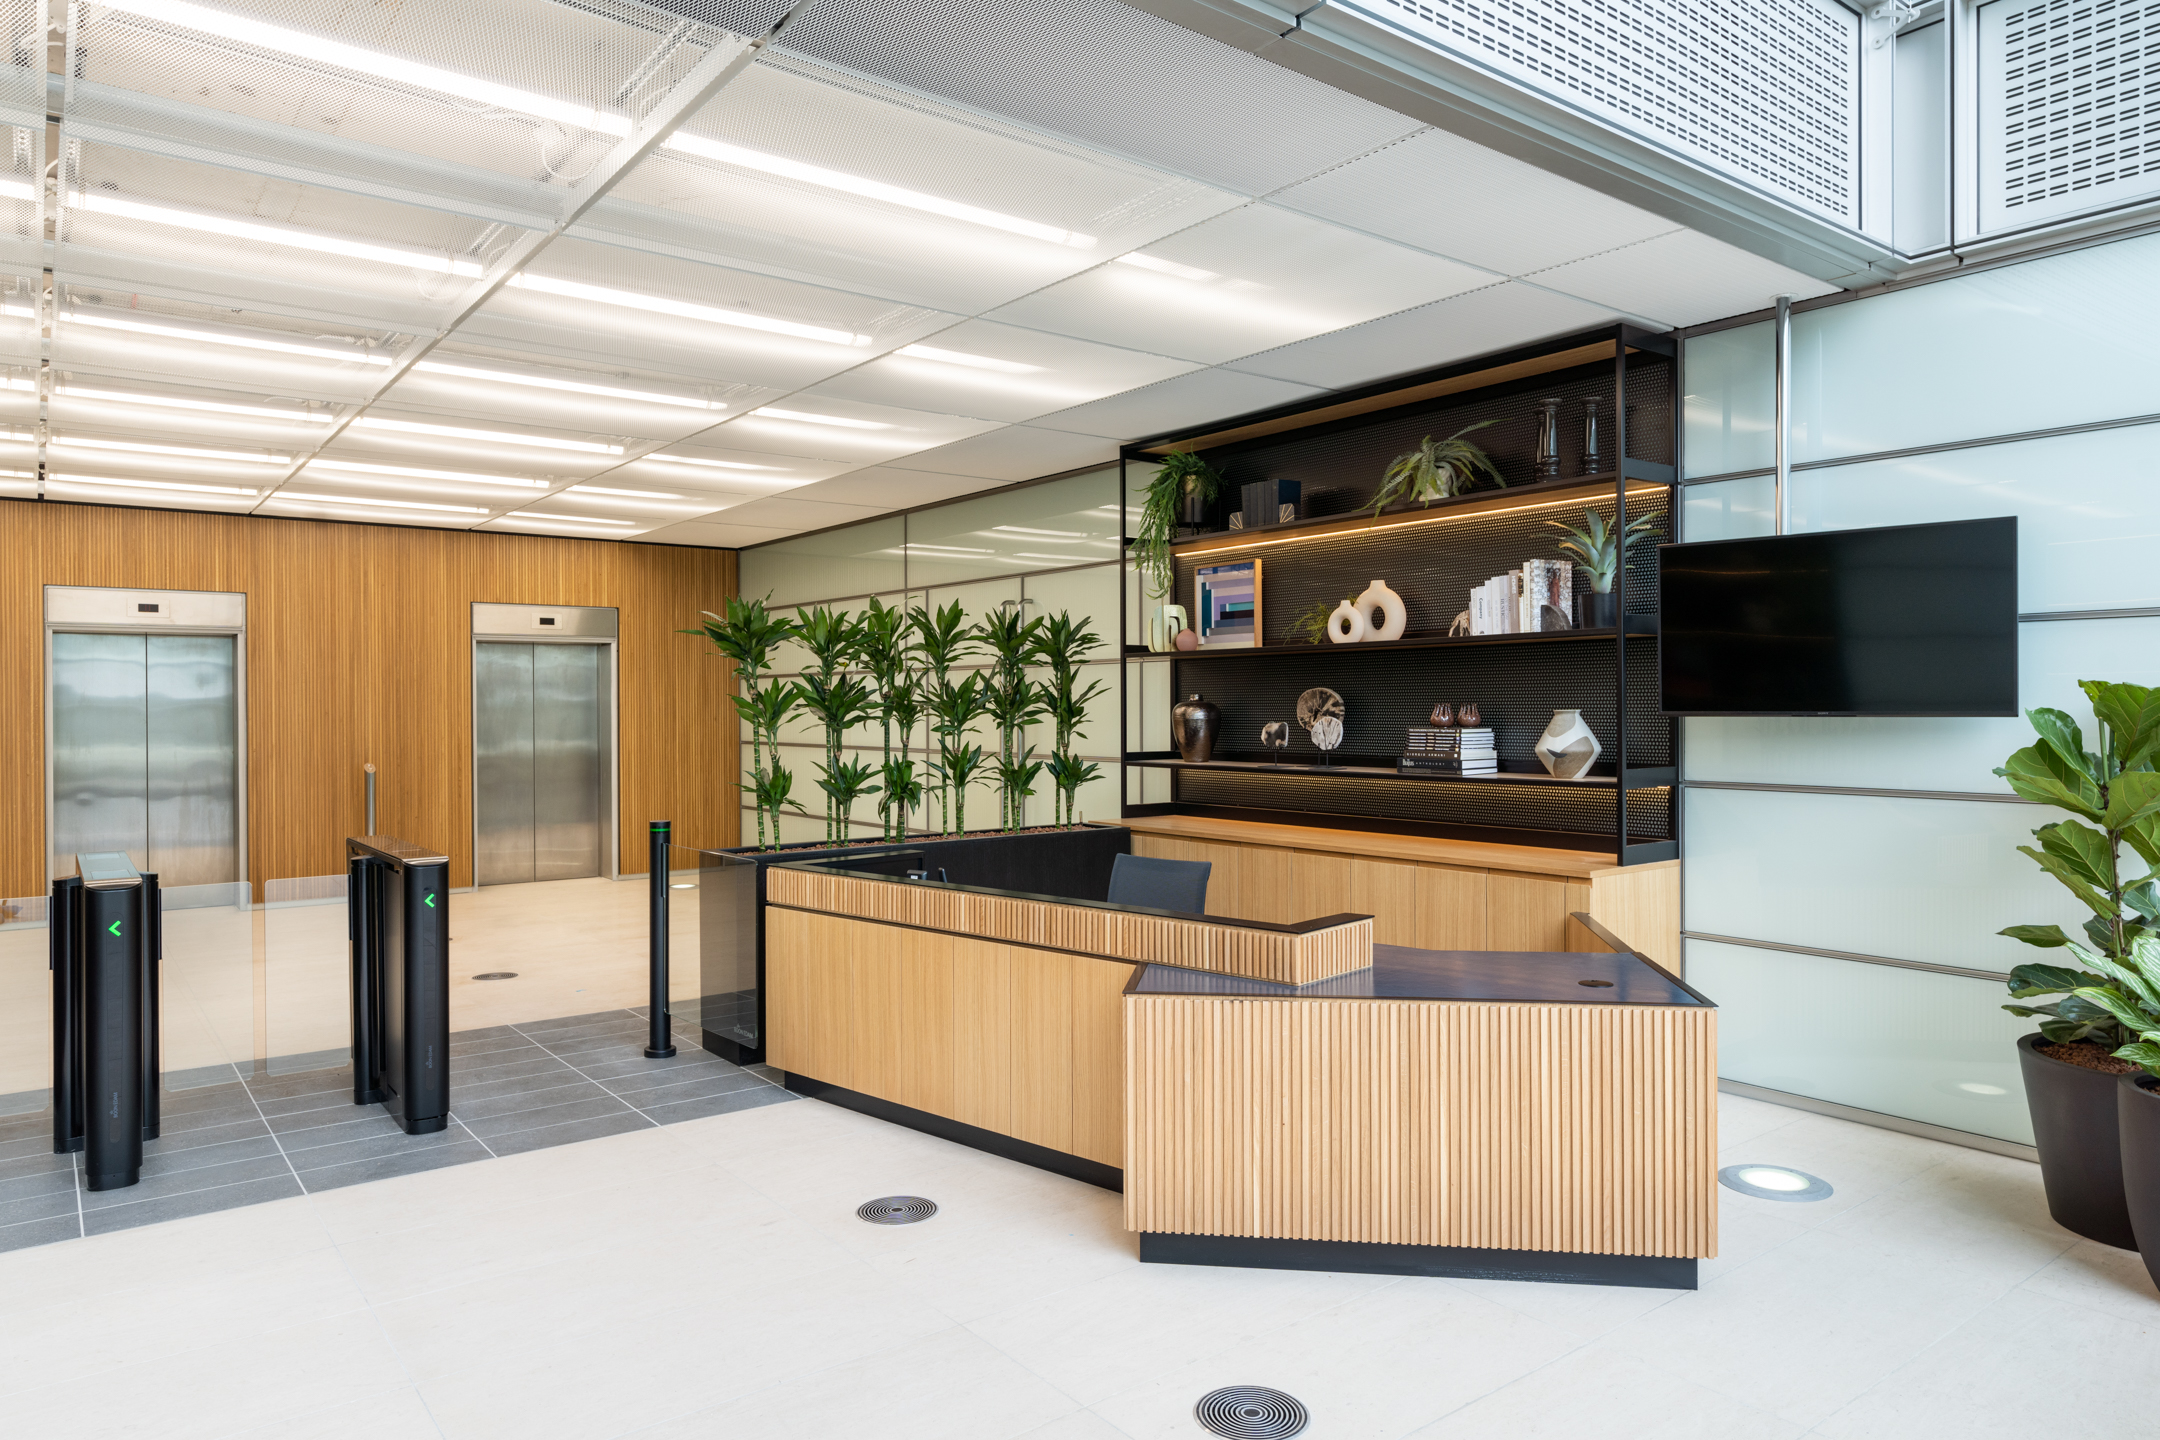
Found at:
(1903, 620)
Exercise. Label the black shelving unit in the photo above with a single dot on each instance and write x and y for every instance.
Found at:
(1433, 557)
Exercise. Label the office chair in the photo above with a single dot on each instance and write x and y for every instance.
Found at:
(1148, 884)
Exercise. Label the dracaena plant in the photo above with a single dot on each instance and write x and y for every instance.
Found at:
(837, 697)
(747, 633)
(1011, 698)
(2112, 995)
(943, 642)
(1066, 645)
(885, 645)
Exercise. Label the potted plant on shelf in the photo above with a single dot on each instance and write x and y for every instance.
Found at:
(1178, 496)
(1436, 470)
(1599, 549)
(2094, 1034)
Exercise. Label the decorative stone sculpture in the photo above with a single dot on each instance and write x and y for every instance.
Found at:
(1568, 748)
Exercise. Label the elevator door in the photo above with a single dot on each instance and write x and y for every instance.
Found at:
(540, 758)
(146, 754)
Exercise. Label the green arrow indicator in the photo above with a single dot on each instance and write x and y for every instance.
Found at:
(429, 902)
(113, 929)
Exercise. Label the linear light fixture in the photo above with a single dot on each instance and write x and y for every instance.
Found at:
(373, 503)
(244, 457)
(634, 494)
(1067, 559)
(683, 309)
(291, 236)
(572, 519)
(66, 479)
(500, 437)
(174, 402)
(961, 357)
(412, 472)
(108, 321)
(840, 422)
(709, 464)
(1047, 534)
(1167, 267)
(1393, 523)
(579, 387)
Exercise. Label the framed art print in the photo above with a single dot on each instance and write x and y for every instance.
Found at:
(1228, 608)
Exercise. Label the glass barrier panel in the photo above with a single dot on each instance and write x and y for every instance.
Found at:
(307, 975)
(209, 1016)
(25, 1016)
(727, 1000)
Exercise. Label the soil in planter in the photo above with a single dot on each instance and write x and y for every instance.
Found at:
(865, 840)
(2086, 1055)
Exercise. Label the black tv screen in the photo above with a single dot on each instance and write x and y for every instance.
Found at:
(1904, 620)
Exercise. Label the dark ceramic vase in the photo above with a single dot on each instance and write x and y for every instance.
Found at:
(1194, 725)
(1600, 612)
(2081, 1158)
(2137, 1111)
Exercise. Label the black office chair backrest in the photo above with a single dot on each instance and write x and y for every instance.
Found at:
(1151, 884)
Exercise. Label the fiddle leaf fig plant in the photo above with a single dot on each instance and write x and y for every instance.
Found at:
(1436, 470)
(1183, 473)
(2112, 998)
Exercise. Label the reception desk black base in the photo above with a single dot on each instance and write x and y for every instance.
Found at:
(1454, 1262)
(1007, 1147)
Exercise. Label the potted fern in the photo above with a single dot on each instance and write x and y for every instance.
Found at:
(1179, 495)
(1601, 550)
(1435, 470)
(2107, 1023)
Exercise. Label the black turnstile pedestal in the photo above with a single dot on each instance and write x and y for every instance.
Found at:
(104, 944)
(398, 908)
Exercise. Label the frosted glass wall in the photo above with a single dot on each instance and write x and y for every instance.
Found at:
(1050, 547)
(1892, 840)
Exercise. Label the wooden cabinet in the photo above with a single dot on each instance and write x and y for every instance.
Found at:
(1450, 908)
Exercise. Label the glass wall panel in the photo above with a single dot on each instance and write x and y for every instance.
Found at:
(1902, 754)
(856, 560)
(1927, 880)
(1730, 409)
(1035, 527)
(1929, 1047)
(2055, 341)
(1729, 509)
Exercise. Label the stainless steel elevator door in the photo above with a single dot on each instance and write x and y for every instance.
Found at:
(146, 753)
(540, 760)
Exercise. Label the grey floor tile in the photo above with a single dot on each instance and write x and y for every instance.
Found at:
(574, 1022)
(725, 1104)
(151, 1209)
(155, 1183)
(261, 1145)
(232, 1110)
(36, 1162)
(486, 1032)
(491, 1127)
(334, 1081)
(624, 1041)
(171, 1141)
(382, 1167)
(40, 1207)
(482, 1051)
(466, 1087)
(311, 1103)
(320, 1127)
(37, 1142)
(537, 1063)
(372, 1147)
(44, 1182)
(208, 1098)
(632, 1066)
(569, 1133)
(40, 1232)
(200, 1077)
(689, 1087)
(468, 1106)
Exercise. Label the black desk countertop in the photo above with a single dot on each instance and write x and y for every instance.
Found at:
(1399, 972)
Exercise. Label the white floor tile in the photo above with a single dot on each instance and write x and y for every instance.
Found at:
(392, 1415)
(1598, 1391)
(1080, 1425)
(2100, 1277)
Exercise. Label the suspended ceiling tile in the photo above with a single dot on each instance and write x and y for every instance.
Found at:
(1495, 318)
(1000, 372)
(1442, 193)
(550, 519)
(301, 505)
(827, 428)
(1187, 401)
(1017, 452)
(90, 404)
(890, 488)
(725, 535)
(393, 492)
(450, 453)
(117, 279)
(464, 399)
(1251, 280)
(1109, 76)
(787, 513)
(61, 488)
(706, 467)
(1684, 278)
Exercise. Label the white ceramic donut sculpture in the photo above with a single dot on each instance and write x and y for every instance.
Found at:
(1347, 625)
(1393, 617)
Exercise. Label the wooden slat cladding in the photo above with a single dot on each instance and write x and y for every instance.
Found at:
(1119, 935)
(1021, 1041)
(1586, 1128)
(358, 649)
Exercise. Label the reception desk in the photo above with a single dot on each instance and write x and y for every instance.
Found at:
(1270, 1093)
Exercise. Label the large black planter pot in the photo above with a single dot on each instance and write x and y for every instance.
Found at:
(2073, 1115)
(2137, 1112)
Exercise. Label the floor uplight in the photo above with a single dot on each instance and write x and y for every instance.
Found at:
(1774, 1182)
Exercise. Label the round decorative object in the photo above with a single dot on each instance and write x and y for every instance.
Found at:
(1467, 715)
(1275, 735)
(1346, 626)
(896, 1210)
(1327, 732)
(1195, 724)
(1393, 617)
(1187, 640)
(1443, 714)
(1317, 703)
(1251, 1412)
(1568, 749)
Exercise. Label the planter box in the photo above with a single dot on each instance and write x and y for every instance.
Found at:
(2075, 1131)
(1062, 864)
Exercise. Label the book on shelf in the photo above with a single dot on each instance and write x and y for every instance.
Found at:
(1446, 765)
(1538, 597)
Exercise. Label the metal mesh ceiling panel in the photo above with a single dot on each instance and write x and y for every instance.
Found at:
(2069, 107)
(1768, 93)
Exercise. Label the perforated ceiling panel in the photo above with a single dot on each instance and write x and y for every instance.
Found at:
(1766, 92)
(2069, 107)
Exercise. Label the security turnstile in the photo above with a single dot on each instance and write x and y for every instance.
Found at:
(398, 904)
(104, 944)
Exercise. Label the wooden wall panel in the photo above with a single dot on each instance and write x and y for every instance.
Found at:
(1588, 1128)
(1526, 912)
(359, 649)
(1641, 904)
(1245, 883)
(982, 1033)
(1343, 885)
(1098, 1058)
(926, 1025)
(1042, 1055)
(1450, 908)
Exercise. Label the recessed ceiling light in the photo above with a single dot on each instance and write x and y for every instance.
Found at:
(1049, 534)
(107, 321)
(1167, 267)
(291, 237)
(567, 519)
(805, 417)
(708, 464)
(1067, 559)
(66, 479)
(174, 402)
(1976, 1087)
(416, 473)
(634, 494)
(1774, 1182)
(660, 305)
(500, 437)
(959, 357)
(371, 501)
(947, 549)
(580, 387)
(244, 457)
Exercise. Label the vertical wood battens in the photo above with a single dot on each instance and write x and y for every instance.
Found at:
(1579, 1128)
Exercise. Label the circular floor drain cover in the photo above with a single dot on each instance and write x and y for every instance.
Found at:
(896, 1210)
(1250, 1412)
(497, 975)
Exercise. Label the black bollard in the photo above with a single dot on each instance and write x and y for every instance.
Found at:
(662, 1046)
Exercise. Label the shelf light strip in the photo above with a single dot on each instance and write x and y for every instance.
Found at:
(1374, 525)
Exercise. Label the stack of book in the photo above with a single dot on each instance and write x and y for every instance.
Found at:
(1467, 751)
(1538, 597)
